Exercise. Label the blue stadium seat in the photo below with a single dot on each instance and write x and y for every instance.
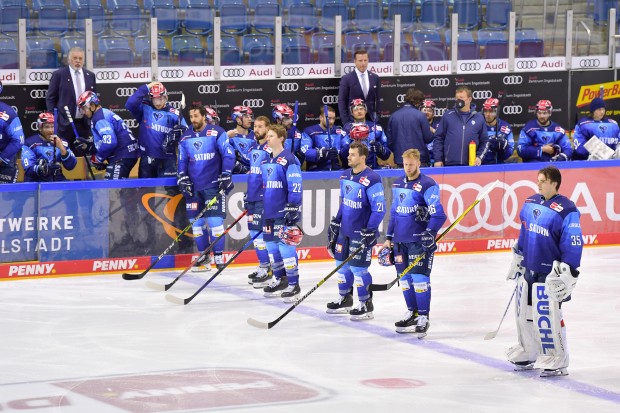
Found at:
(192, 56)
(525, 34)
(7, 43)
(261, 55)
(462, 36)
(497, 13)
(326, 54)
(230, 56)
(407, 10)
(322, 39)
(163, 57)
(39, 42)
(467, 50)
(110, 42)
(9, 16)
(469, 13)
(496, 49)
(144, 42)
(94, 12)
(149, 4)
(433, 13)
(167, 19)
(42, 59)
(265, 12)
(225, 41)
(301, 17)
(432, 50)
(38, 4)
(531, 48)
(486, 35)
(9, 59)
(199, 19)
(70, 41)
(183, 41)
(118, 57)
(368, 16)
(74, 4)
(126, 20)
(421, 36)
(53, 20)
(183, 4)
(330, 11)
(406, 52)
(293, 39)
(113, 4)
(357, 38)
(255, 40)
(296, 54)
(234, 18)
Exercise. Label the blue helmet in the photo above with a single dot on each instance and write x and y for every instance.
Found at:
(240, 111)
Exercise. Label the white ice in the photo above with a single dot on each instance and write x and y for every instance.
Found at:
(101, 344)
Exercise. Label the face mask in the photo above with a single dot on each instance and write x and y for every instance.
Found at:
(460, 104)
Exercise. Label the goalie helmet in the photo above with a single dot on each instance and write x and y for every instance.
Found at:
(44, 118)
(291, 235)
(544, 105)
(239, 112)
(358, 102)
(282, 111)
(212, 117)
(490, 104)
(386, 256)
(158, 90)
(359, 131)
(87, 98)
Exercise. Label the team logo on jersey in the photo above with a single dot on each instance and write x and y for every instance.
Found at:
(402, 196)
(49, 154)
(347, 189)
(255, 157)
(197, 145)
(364, 181)
(212, 132)
(269, 171)
(417, 187)
(536, 213)
(242, 146)
(281, 161)
(602, 128)
(556, 207)
(158, 115)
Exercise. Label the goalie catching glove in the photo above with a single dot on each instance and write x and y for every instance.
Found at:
(560, 281)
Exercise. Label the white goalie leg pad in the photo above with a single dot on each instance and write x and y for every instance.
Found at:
(527, 349)
(550, 331)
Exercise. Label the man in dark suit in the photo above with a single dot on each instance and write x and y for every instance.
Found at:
(359, 84)
(66, 85)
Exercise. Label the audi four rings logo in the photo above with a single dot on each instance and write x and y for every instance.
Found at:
(348, 69)
(38, 93)
(512, 110)
(34, 126)
(34, 76)
(125, 91)
(439, 82)
(172, 73)
(131, 123)
(482, 94)
(440, 111)
(208, 89)
(254, 103)
(589, 63)
(288, 87)
(513, 80)
(400, 99)
(175, 104)
(293, 71)
(239, 72)
(330, 99)
(527, 64)
(411, 68)
(108, 75)
(470, 66)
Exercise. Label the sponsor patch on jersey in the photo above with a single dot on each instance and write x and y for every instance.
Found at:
(398, 259)
(559, 129)
(417, 187)
(158, 115)
(191, 205)
(556, 207)
(281, 161)
(364, 181)
(4, 116)
(505, 129)
(197, 145)
(338, 248)
(212, 132)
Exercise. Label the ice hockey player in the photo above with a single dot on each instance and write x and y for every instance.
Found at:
(11, 140)
(160, 130)
(44, 153)
(205, 164)
(600, 126)
(283, 115)
(241, 138)
(542, 140)
(545, 265)
(325, 143)
(283, 188)
(501, 143)
(361, 211)
(112, 138)
(416, 215)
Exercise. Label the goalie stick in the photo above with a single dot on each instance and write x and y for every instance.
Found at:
(385, 287)
(166, 287)
(90, 170)
(491, 335)
(184, 301)
(267, 326)
(129, 276)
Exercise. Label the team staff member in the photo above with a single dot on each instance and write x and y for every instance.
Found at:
(360, 83)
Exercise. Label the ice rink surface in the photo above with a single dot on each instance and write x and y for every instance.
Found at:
(101, 344)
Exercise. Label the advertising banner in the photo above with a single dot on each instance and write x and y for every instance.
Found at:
(18, 223)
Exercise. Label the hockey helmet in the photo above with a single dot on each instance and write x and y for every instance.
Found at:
(87, 98)
(386, 256)
(359, 131)
(212, 117)
(490, 104)
(158, 90)
(291, 235)
(45, 118)
(240, 111)
(544, 105)
(428, 104)
(282, 111)
(358, 102)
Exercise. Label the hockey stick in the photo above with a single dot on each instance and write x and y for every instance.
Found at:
(159, 287)
(492, 334)
(184, 301)
(267, 326)
(294, 127)
(385, 287)
(128, 276)
(90, 170)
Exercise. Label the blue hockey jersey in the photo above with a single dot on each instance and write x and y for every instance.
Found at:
(362, 202)
(11, 134)
(550, 230)
(204, 155)
(315, 137)
(36, 148)
(533, 137)
(281, 183)
(154, 124)
(606, 130)
(242, 146)
(374, 135)
(415, 207)
(492, 153)
(259, 155)
(112, 139)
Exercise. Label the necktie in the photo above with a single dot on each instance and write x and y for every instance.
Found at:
(364, 85)
(80, 90)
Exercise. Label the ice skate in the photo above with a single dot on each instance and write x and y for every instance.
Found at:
(219, 261)
(264, 278)
(363, 311)
(563, 371)
(422, 326)
(341, 306)
(276, 287)
(203, 264)
(523, 365)
(258, 274)
(408, 324)
(291, 293)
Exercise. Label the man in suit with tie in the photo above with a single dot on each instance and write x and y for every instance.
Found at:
(66, 85)
(359, 84)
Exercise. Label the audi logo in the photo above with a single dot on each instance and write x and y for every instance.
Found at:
(238, 72)
(40, 76)
(172, 73)
(440, 111)
(125, 91)
(108, 75)
(208, 89)
(439, 82)
(38, 93)
(288, 87)
(175, 104)
(330, 99)
(34, 126)
(527, 64)
(482, 94)
(513, 80)
(254, 103)
(400, 99)
(15, 109)
(512, 110)
(293, 71)
(348, 69)
(411, 68)
(131, 123)
(470, 66)
(589, 63)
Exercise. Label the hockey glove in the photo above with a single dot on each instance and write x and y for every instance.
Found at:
(42, 168)
(369, 237)
(332, 235)
(84, 144)
(516, 269)
(240, 168)
(322, 153)
(377, 148)
(561, 157)
(225, 182)
(245, 201)
(291, 214)
(186, 186)
(97, 164)
(560, 281)
(427, 239)
(421, 213)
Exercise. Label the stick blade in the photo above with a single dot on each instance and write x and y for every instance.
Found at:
(175, 300)
(258, 324)
(155, 286)
(127, 276)
(491, 335)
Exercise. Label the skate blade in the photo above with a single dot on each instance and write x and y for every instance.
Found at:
(337, 311)
(367, 316)
(554, 373)
(292, 299)
(273, 295)
(405, 330)
(262, 284)
(201, 269)
(421, 335)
